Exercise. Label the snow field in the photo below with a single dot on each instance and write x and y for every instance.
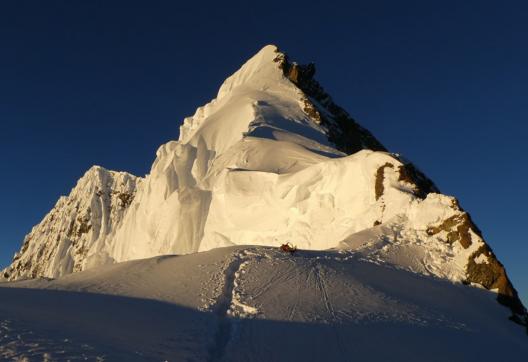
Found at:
(309, 305)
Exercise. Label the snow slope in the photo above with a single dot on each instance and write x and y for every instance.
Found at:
(255, 304)
(271, 159)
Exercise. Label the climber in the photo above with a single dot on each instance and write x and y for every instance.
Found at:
(288, 248)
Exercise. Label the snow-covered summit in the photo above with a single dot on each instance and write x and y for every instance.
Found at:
(270, 97)
(271, 159)
(256, 100)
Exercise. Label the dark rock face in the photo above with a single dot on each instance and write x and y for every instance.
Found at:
(488, 272)
(380, 176)
(421, 184)
(343, 131)
(409, 174)
(126, 199)
(492, 275)
(347, 135)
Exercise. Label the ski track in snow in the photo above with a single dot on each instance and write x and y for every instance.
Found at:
(319, 277)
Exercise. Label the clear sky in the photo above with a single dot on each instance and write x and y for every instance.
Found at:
(442, 82)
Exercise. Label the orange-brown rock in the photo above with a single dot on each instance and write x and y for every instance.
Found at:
(458, 229)
(380, 176)
(343, 131)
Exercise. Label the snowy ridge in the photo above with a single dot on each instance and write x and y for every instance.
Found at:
(258, 100)
(271, 159)
(74, 233)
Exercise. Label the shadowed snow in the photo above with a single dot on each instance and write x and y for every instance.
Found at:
(255, 303)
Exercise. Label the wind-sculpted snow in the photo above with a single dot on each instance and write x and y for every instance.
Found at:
(272, 159)
(76, 231)
(255, 304)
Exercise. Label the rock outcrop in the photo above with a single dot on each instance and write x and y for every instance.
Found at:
(342, 130)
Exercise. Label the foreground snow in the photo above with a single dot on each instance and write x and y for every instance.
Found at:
(254, 303)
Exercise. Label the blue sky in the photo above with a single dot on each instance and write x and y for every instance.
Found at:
(442, 82)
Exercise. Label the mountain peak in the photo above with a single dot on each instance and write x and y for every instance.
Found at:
(261, 70)
(269, 49)
(276, 98)
(272, 159)
(99, 170)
